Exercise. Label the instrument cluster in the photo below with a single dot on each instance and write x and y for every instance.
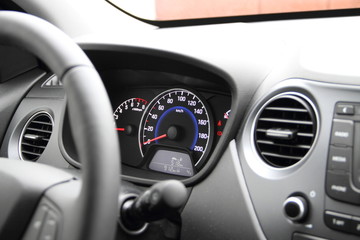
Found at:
(169, 130)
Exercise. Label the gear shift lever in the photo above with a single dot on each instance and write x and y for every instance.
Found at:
(160, 201)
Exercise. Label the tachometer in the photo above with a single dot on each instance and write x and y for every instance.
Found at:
(177, 118)
(127, 118)
(128, 108)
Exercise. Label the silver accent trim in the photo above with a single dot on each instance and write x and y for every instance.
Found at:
(27, 124)
(52, 82)
(301, 203)
(254, 218)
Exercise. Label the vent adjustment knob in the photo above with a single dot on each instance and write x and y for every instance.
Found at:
(296, 208)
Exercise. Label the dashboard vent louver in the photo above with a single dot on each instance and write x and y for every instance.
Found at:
(285, 130)
(35, 136)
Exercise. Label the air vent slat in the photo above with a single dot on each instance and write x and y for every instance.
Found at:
(31, 153)
(286, 109)
(283, 145)
(33, 145)
(286, 121)
(39, 130)
(285, 113)
(43, 123)
(35, 136)
(311, 135)
(300, 134)
(281, 156)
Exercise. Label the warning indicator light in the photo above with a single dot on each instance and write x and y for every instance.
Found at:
(227, 114)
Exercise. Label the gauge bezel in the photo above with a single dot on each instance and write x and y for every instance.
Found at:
(209, 145)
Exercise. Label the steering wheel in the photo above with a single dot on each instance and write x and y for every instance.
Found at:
(35, 198)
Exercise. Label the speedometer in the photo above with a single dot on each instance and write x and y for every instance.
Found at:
(177, 118)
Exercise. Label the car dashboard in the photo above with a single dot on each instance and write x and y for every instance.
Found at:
(261, 124)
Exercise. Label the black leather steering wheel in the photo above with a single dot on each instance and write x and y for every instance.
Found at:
(85, 211)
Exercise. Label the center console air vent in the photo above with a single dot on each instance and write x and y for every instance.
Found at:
(285, 130)
(35, 136)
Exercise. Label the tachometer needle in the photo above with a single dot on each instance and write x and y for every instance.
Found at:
(154, 139)
(120, 129)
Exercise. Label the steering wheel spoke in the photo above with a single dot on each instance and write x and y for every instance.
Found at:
(22, 184)
(57, 214)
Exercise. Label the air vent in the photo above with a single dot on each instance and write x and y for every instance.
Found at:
(285, 130)
(35, 136)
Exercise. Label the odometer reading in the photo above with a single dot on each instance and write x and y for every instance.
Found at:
(178, 118)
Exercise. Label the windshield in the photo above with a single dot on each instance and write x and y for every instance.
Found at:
(163, 10)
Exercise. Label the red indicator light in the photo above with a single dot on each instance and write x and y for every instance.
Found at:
(219, 124)
(120, 129)
(227, 114)
(219, 133)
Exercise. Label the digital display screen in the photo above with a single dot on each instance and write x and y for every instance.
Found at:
(172, 162)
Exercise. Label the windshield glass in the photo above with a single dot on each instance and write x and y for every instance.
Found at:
(162, 10)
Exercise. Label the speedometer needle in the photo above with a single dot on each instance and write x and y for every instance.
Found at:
(154, 139)
(120, 129)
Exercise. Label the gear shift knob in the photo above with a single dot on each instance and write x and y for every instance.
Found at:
(160, 201)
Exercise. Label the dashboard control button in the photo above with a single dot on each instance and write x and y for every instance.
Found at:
(338, 187)
(337, 221)
(355, 225)
(36, 223)
(345, 109)
(295, 208)
(49, 229)
(342, 132)
(340, 158)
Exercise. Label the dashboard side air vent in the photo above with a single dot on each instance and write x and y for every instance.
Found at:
(285, 130)
(35, 136)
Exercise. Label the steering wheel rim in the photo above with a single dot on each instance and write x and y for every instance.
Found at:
(90, 118)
